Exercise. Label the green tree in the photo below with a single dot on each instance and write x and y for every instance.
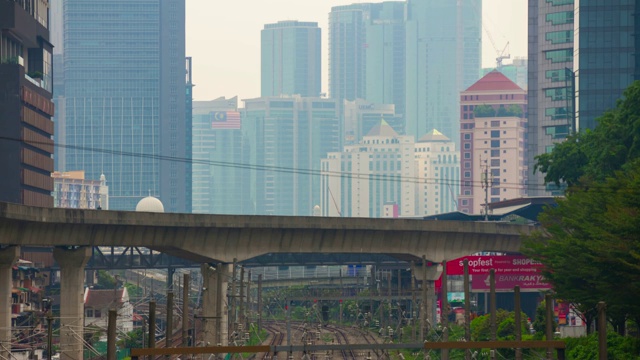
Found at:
(133, 339)
(590, 242)
(590, 246)
(597, 154)
(481, 111)
(105, 280)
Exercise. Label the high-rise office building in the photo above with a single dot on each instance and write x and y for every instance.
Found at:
(493, 127)
(550, 85)
(366, 53)
(443, 56)
(606, 60)
(26, 128)
(290, 59)
(124, 88)
(220, 177)
(360, 116)
(287, 137)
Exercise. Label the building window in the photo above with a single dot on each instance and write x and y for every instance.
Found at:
(557, 94)
(467, 174)
(560, 37)
(562, 17)
(495, 143)
(558, 75)
(467, 136)
(467, 146)
(557, 113)
(557, 56)
(495, 134)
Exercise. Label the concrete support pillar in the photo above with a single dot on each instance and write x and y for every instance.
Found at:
(428, 275)
(214, 292)
(72, 263)
(8, 257)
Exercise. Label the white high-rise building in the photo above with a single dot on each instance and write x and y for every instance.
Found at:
(438, 169)
(390, 175)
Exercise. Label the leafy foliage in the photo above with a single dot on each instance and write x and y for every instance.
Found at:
(482, 111)
(618, 347)
(590, 243)
(105, 280)
(597, 154)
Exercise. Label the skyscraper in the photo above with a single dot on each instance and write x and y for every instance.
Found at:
(550, 85)
(360, 116)
(443, 52)
(290, 59)
(125, 98)
(366, 53)
(25, 104)
(287, 138)
(221, 181)
(607, 44)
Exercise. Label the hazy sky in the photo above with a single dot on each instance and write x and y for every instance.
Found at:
(224, 38)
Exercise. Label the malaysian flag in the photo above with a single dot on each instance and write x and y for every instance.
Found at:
(225, 120)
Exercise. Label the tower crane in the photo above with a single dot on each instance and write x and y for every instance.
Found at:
(500, 55)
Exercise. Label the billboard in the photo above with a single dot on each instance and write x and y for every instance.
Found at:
(503, 264)
(506, 282)
(510, 270)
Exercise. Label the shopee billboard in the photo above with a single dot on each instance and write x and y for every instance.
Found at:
(503, 264)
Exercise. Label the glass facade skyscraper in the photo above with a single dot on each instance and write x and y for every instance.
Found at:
(220, 181)
(550, 85)
(581, 59)
(287, 137)
(125, 100)
(366, 53)
(290, 59)
(606, 62)
(443, 52)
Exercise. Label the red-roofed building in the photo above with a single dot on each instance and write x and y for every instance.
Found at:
(97, 304)
(493, 123)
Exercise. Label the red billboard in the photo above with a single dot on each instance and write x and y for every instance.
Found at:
(510, 270)
(503, 264)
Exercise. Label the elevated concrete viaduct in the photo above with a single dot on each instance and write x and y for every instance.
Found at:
(219, 239)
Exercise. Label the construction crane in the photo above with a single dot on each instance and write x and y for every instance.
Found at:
(500, 55)
(504, 54)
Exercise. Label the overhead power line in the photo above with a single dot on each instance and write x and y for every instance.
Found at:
(291, 170)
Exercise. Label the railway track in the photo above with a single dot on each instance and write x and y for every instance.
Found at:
(342, 338)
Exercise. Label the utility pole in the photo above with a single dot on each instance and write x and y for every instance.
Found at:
(259, 302)
(49, 335)
(485, 186)
(185, 310)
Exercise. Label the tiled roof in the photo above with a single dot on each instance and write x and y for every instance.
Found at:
(494, 81)
(103, 298)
